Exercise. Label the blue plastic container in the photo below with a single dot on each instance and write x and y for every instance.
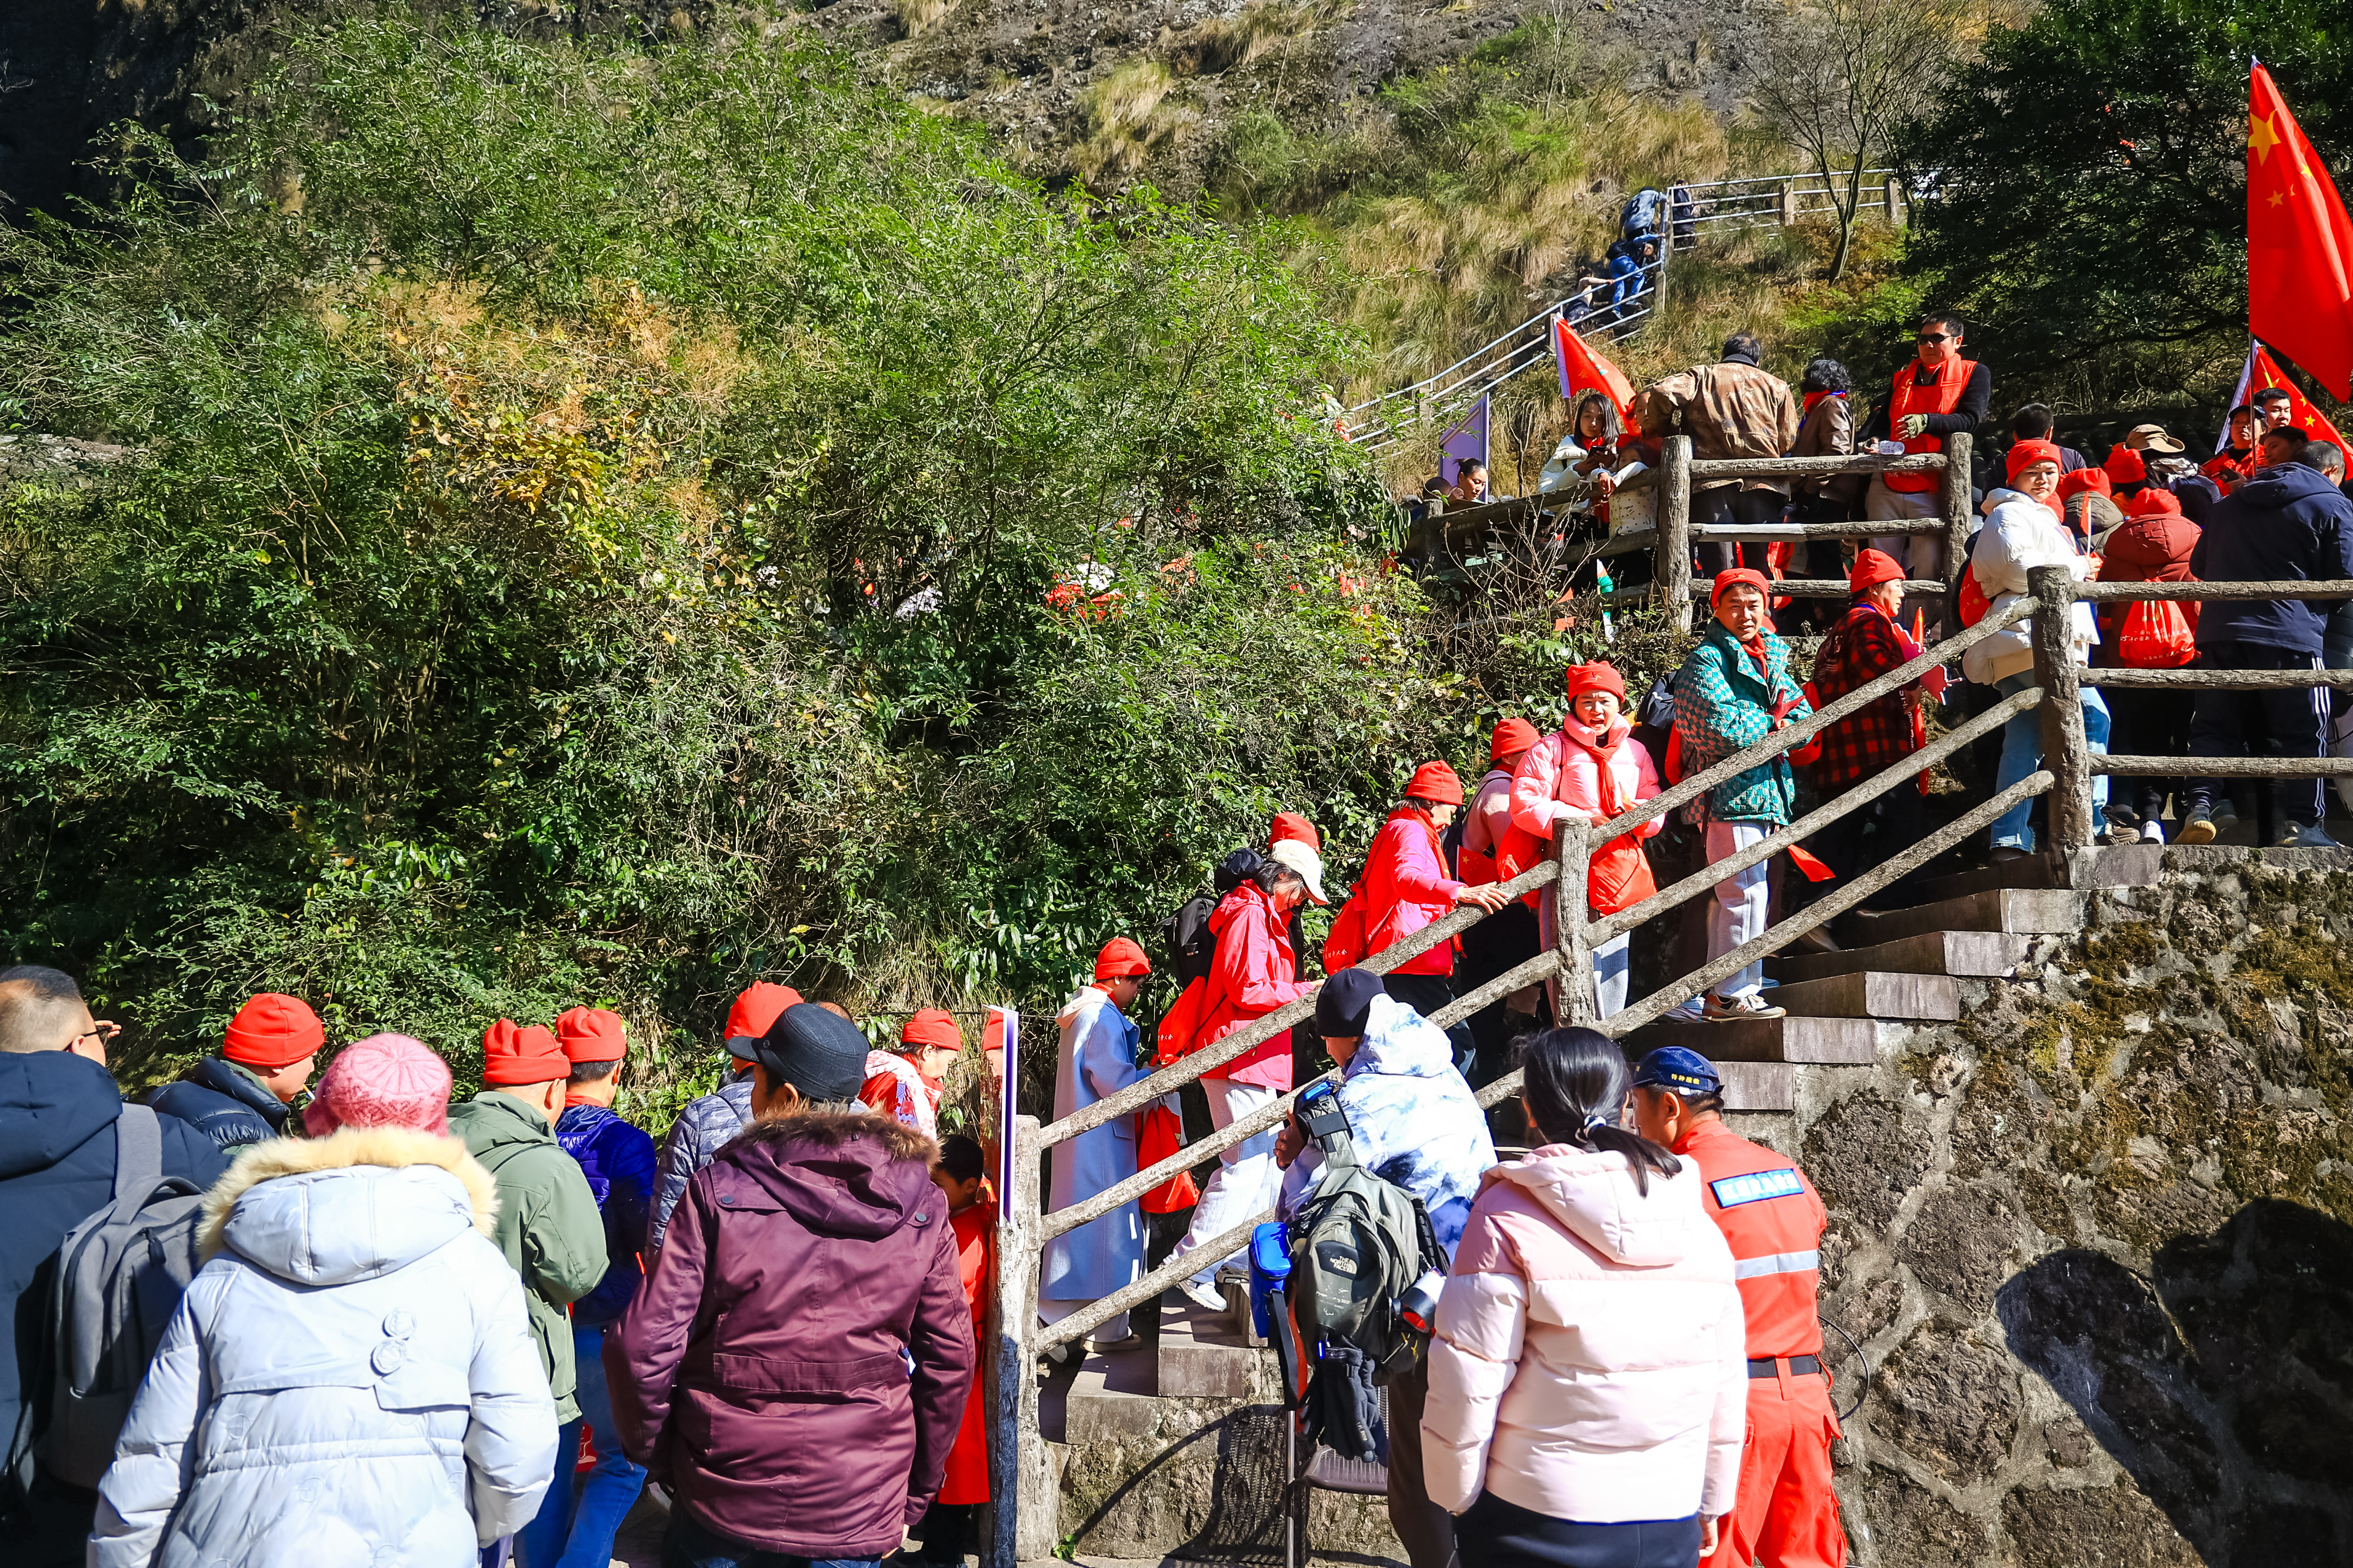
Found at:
(1269, 1266)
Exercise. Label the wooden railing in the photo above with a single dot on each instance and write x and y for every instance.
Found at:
(1025, 1514)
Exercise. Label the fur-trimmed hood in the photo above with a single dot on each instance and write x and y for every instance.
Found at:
(361, 1203)
(845, 1174)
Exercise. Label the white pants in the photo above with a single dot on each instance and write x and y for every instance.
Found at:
(1050, 1312)
(1245, 1180)
(1610, 976)
(1739, 912)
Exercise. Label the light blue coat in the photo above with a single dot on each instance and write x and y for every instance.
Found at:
(1098, 1059)
(1411, 1120)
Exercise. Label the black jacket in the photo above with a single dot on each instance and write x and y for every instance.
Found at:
(224, 1101)
(2288, 524)
(57, 1168)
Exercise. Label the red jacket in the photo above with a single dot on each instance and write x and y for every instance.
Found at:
(759, 1372)
(1406, 888)
(1255, 973)
(2147, 547)
(1774, 1222)
(976, 1234)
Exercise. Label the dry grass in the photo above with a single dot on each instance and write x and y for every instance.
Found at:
(916, 17)
(1135, 115)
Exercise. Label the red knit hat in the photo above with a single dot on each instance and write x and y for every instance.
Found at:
(1511, 737)
(1289, 825)
(1599, 675)
(932, 1026)
(591, 1034)
(1120, 958)
(757, 1009)
(2093, 480)
(2152, 501)
(1435, 783)
(1734, 578)
(2024, 455)
(272, 1032)
(1872, 567)
(384, 1080)
(2127, 467)
(520, 1055)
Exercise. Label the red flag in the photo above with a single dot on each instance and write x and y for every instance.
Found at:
(2299, 244)
(2301, 413)
(1581, 367)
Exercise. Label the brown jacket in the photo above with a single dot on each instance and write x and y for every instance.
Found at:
(1826, 430)
(1729, 410)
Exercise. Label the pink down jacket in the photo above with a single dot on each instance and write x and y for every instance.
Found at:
(1590, 1358)
(1561, 776)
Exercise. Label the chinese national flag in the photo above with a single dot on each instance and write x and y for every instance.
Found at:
(2299, 244)
(1581, 367)
(2262, 372)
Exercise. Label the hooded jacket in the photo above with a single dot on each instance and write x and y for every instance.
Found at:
(2020, 533)
(1561, 777)
(1407, 887)
(349, 1378)
(1589, 1360)
(2288, 524)
(1254, 973)
(1412, 1120)
(58, 1112)
(703, 1128)
(1097, 1060)
(1724, 705)
(225, 1101)
(2151, 545)
(548, 1225)
(762, 1372)
(617, 1159)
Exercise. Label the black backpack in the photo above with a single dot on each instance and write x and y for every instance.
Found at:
(1191, 946)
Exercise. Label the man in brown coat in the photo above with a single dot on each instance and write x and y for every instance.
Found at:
(1729, 409)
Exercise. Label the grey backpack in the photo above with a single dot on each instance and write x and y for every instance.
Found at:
(1358, 1246)
(120, 1275)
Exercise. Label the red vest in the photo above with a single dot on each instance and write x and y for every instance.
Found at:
(1941, 396)
(1772, 1216)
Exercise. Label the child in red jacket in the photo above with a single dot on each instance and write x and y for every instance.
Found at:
(972, 1212)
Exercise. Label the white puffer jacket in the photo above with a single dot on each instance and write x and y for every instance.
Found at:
(2020, 532)
(350, 1380)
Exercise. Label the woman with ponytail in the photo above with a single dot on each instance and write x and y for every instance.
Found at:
(1589, 1380)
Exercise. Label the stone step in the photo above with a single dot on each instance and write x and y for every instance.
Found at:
(1752, 1046)
(2015, 911)
(1975, 954)
(1870, 993)
(1113, 1397)
(2101, 865)
(1202, 1355)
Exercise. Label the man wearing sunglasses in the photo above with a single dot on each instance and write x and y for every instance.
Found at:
(58, 1113)
(1939, 394)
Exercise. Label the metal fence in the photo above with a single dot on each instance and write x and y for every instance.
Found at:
(1785, 199)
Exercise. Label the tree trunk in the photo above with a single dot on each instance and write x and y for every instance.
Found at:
(1846, 206)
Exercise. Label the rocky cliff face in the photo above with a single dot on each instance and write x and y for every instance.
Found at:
(2096, 1241)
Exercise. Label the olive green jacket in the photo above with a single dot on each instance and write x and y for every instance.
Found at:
(548, 1225)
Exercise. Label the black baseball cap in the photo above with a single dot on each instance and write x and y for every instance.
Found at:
(819, 1053)
(1344, 1002)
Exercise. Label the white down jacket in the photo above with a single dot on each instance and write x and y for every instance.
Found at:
(2020, 533)
(350, 1380)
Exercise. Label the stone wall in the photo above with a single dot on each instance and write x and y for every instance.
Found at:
(2097, 1243)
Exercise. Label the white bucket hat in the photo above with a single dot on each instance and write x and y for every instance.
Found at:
(1304, 861)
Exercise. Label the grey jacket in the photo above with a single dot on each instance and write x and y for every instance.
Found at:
(703, 1128)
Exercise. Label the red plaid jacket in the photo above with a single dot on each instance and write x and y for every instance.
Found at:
(1861, 648)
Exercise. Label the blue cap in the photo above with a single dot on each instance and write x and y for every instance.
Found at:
(1680, 1070)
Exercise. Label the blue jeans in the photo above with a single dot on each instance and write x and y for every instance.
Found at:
(688, 1545)
(1628, 273)
(572, 1533)
(2022, 754)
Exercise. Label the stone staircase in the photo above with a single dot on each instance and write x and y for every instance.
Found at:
(1919, 959)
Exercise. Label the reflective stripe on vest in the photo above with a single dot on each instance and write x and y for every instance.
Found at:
(1941, 396)
(1772, 1221)
(1778, 1263)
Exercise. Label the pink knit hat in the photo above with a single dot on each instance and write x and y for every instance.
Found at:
(384, 1080)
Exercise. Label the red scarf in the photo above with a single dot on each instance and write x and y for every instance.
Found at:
(1814, 397)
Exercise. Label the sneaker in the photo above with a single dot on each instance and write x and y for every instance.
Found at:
(2225, 817)
(2300, 836)
(2198, 829)
(2119, 833)
(1203, 1295)
(1732, 1009)
(1132, 1341)
(2151, 831)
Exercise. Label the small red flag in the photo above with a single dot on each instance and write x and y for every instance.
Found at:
(2299, 244)
(2301, 414)
(1581, 367)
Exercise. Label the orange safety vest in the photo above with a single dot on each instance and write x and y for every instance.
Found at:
(1941, 396)
(1773, 1218)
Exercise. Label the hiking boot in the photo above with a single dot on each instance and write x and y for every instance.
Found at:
(1732, 1009)
(2198, 829)
(2300, 836)
(2225, 817)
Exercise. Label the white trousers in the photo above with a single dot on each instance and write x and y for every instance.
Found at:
(1245, 1181)
(1739, 912)
(1050, 1312)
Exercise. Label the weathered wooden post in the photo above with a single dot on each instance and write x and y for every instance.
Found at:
(1024, 1515)
(1674, 530)
(1892, 196)
(1957, 518)
(1573, 999)
(2065, 751)
(1788, 203)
